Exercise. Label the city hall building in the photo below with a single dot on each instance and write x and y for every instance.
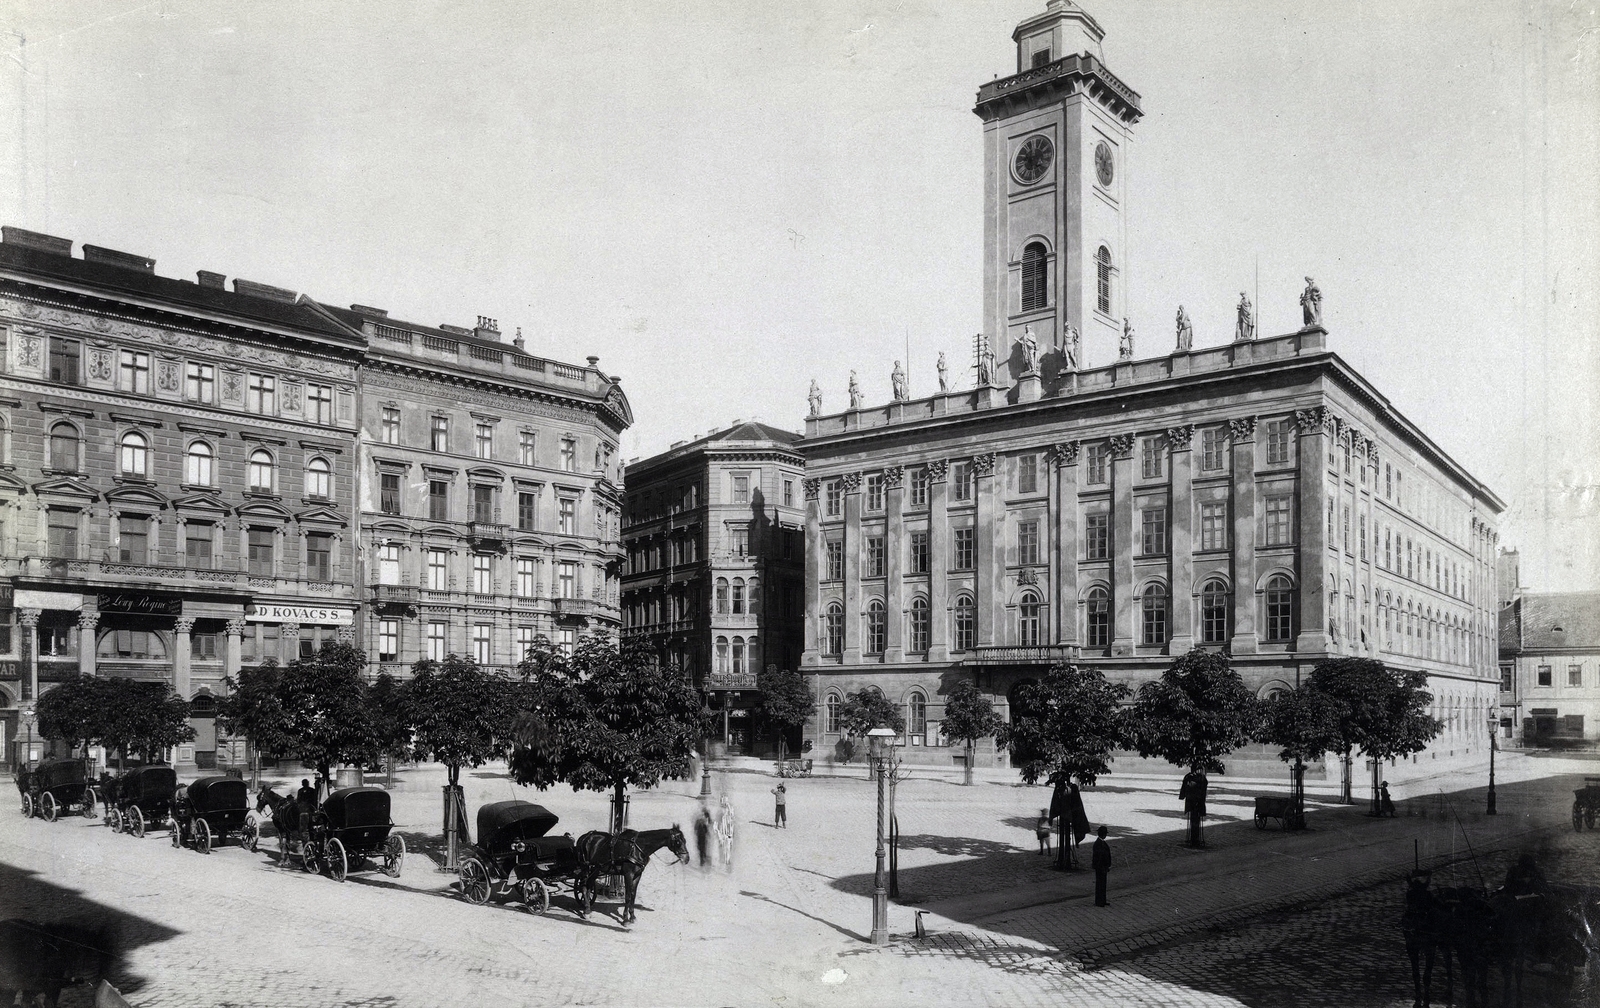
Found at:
(1259, 498)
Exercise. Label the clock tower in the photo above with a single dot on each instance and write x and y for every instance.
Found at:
(1056, 139)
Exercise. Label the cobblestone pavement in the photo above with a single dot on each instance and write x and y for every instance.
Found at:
(786, 924)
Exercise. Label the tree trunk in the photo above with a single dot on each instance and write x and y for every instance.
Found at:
(972, 756)
(1346, 784)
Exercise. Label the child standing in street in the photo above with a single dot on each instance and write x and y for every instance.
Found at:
(780, 812)
(1041, 829)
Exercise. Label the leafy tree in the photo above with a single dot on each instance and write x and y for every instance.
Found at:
(607, 718)
(254, 707)
(1383, 711)
(391, 718)
(72, 710)
(1304, 724)
(325, 698)
(143, 717)
(1195, 714)
(968, 717)
(786, 701)
(1069, 724)
(867, 709)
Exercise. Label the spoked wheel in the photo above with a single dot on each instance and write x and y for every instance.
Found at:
(202, 836)
(475, 884)
(338, 864)
(394, 852)
(27, 806)
(308, 858)
(535, 896)
(176, 836)
(88, 805)
(250, 836)
(136, 822)
(47, 804)
(114, 819)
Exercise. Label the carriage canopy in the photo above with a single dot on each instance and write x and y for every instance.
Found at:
(148, 784)
(56, 772)
(219, 794)
(357, 806)
(502, 823)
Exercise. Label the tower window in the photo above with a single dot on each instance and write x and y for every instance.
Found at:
(1034, 273)
(1041, 58)
(1102, 263)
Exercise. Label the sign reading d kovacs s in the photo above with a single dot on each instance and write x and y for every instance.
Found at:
(314, 615)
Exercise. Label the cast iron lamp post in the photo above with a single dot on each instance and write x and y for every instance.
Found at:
(879, 743)
(29, 718)
(1494, 723)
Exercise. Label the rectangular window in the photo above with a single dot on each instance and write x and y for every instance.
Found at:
(1096, 456)
(739, 540)
(527, 447)
(876, 561)
(389, 564)
(263, 394)
(1277, 442)
(203, 646)
(741, 489)
(566, 640)
(788, 493)
(1345, 528)
(439, 500)
(1150, 458)
(1363, 538)
(483, 504)
(319, 556)
(64, 361)
(482, 574)
(319, 404)
(919, 552)
(438, 640)
(482, 651)
(439, 434)
(568, 513)
(1214, 526)
(1096, 537)
(388, 639)
(525, 641)
(1028, 542)
(1574, 675)
(438, 570)
(483, 440)
(567, 579)
(874, 492)
(1545, 676)
(1041, 58)
(197, 545)
(1027, 474)
(569, 455)
(919, 488)
(963, 554)
(527, 511)
(1345, 446)
(1508, 675)
(200, 383)
(1153, 531)
(1388, 482)
(389, 493)
(1212, 447)
(389, 426)
(834, 563)
(961, 481)
(524, 582)
(133, 539)
(262, 546)
(135, 368)
(1278, 521)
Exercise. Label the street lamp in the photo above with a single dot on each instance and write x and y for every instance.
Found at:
(29, 717)
(879, 743)
(1494, 723)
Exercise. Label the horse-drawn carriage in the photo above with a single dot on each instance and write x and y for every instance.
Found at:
(211, 810)
(141, 799)
(1289, 812)
(57, 786)
(1586, 804)
(352, 826)
(514, 858)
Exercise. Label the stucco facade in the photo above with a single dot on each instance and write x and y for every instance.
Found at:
(1550, 669)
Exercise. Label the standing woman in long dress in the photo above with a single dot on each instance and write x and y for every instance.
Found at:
(725, 833)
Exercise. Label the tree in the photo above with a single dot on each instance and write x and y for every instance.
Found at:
(866, 709)
(786, 701)
(72, 710)
(1383, 712)
(968, 717)
(143, 717)
(391, 719)
(606, 718)
(254, 707)
(1195, 714)
(325, 698)
(1069, 723)
(1304, 724)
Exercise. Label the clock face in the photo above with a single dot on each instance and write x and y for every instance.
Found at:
(1033, 159)
(1102, 165)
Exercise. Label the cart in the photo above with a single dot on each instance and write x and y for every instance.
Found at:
(513, 858)
(211, 811)
(1288, 812)
(353, 827)
(59, 786)
(1586, 804)
(141, 799)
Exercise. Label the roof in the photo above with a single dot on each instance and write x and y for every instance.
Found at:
(742, 432)
(1551, 621)
(754, 430)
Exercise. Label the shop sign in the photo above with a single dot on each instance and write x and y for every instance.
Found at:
(27, 598)
(315, 615)
(144, 605)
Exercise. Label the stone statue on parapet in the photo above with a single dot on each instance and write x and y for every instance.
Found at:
(814, 398)
(1071, 348)
(1311, 304)
(898, 380)
(1245, 329)
(944, 374)
(855, 392)
(1125, 345)
(1030, 350)
(1185, 331)
(985, 363)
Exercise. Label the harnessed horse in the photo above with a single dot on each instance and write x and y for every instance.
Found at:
(625, 854)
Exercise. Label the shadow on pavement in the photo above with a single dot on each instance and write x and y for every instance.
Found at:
(767, 899)
(957, 846)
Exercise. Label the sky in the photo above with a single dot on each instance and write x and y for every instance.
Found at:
(724, 200)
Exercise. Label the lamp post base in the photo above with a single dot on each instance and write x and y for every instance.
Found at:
(1489, 803)
(880, 918)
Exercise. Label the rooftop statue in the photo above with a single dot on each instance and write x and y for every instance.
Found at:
(814, 398)
(898, 380)
(1185, 331)
(1072, 348)
(1311, 304)
(944, 376)
(1030, 350)
(855, 392)
(1125, 347)
(1245, 329)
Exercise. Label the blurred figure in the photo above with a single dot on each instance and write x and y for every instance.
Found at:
(1041, 830)
(725, 833)
(780, 811)
(1385, 803)
(704, 833)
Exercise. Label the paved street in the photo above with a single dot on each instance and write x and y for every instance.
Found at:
(1261, 918)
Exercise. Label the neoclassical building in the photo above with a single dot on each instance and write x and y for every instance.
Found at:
(1259, 497)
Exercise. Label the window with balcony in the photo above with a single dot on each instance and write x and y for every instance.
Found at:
(739, 540)
(64, 444)
(261, 546)
(389, 426)
(319, 556)
(482, 574)
(1028, 613)
(199, 383)
(388, 639)
(133, 455)
(962, 552)
(389, 564)
(438, 570)
(483, 504)
(197, 537)
(133, 539)
(439, 500)
(262, 394)
(134, 368)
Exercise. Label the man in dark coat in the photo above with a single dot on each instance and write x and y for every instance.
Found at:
(1101, 862)
(1193, 796)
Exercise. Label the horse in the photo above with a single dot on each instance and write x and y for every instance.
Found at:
(286, 814)
(626, 854)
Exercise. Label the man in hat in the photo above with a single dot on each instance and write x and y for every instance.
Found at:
(1101, 862)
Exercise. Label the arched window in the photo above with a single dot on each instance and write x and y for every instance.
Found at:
(197, 464)
(738, 596)
(64, 448)
(919, 624)
(133, 457)
(752, 600)
(319, 478)
(966, 623)
(261, 471)
(1028, 620)
(722, 596)
(877, 626)
(1035, 294)
(1102, 265)
(722, 656)
(1280, 609)
(1153, 608)
(1214, 612)
(1097, 617)
(916, 714)
(831, 725)
(833, 629)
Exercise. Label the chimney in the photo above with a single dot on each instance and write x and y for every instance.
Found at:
(487, 329)
(36, 241)
(518, 341)
(120, 260)
(215, 281)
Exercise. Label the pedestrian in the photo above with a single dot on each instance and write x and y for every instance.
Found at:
(780, 812)
(1101, 862)
(1041, 829)
(1193, 796)
(703, 833)
(725, 831)
(1385, 803)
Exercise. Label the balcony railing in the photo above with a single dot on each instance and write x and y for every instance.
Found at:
(730, 681)
(1038, 654)
(398, 594)
(582, 607)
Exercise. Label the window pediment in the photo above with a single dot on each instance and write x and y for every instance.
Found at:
(65, 487)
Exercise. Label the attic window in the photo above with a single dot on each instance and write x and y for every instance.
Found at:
(1041, 58)
(1556, 629)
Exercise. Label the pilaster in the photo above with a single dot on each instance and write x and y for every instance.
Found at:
(87, 623)
(1122, 600)
(289, 642)
(183, 631)
(232, 647)
(28, 619)
(851, 483)
(990, 531)
(1064, 540)
(1180, 508)
(894, 545)
(1245, 639)
(1311, 541)
(938, 564)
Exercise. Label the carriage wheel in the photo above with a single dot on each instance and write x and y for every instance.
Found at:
(27, 806)
(250, 836)
(535, 896)
(338, 864)
(88, 804)
(394, 852)
(114, 819)
(475, 881)
(176, 836)
(52, 811)
(1261, 821)
(308, 858)
(136, 822)
(202, 836)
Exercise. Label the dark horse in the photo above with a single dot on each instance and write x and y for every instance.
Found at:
(626, 854)
(286, 819)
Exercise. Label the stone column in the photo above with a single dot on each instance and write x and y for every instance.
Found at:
(184, 629)
(851, 484)
(232, 648)
(990, 563)
(29, 621)
(288, 642)
(1310, 462)
(1181, 509)
(894, 544)
(87, 622)
(1122, 533)
(1064, 540)
(1244, 639)
(938, 562)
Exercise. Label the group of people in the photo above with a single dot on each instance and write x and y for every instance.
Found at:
(1067, 814)
(714, 834)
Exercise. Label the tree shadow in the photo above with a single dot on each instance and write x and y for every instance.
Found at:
(958, 846)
